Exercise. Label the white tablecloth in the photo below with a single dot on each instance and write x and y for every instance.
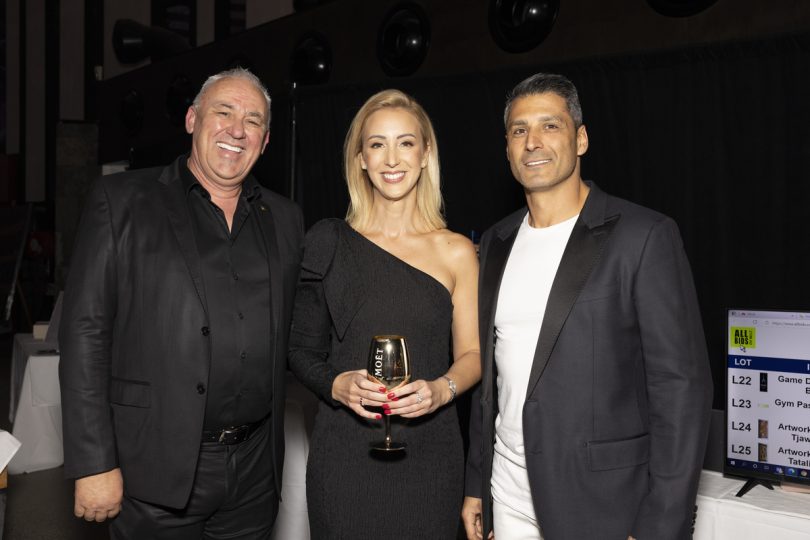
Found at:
(38, 417)
(24, 346)
(293, 521)
(761, 514)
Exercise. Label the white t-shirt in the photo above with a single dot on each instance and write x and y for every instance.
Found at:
(522, 299)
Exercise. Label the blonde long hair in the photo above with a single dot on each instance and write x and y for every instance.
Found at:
(429, 203)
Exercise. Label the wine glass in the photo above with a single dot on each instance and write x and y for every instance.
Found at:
(388, 366)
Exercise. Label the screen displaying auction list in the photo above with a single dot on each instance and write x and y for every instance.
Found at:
(768, 407)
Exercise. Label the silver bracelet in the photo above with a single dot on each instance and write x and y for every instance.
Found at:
(452, 384)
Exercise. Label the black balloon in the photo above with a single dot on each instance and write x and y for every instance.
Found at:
(311, 60)
(403, 39)
(521, 25)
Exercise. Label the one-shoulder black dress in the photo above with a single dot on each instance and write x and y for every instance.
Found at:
(350, 290)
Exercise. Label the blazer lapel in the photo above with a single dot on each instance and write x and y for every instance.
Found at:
(268, 227)
(497, 254)
(180, 220)
(581, 255)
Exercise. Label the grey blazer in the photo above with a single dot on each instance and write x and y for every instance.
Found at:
(618, 401)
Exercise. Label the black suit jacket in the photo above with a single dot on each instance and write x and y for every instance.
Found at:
(617, 405)
(135, 351)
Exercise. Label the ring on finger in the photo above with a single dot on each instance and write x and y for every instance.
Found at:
(361, 401)
(419, 397)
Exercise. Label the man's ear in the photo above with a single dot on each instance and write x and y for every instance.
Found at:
(191, 118)
(582, 140)
(266, 140)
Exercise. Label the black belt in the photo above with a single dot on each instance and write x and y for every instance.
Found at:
(232, 435)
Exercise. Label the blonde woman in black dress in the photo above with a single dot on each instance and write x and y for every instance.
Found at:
(391, 267)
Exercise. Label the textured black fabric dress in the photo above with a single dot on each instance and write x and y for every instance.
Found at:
(349, 291)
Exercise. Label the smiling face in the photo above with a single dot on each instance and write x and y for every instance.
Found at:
(542, 143)
(229, 133)
(393, 152)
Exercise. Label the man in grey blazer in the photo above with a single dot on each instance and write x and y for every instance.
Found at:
(174, 334)
(595, 393)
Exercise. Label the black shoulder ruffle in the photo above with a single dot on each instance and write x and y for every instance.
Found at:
(329, 257)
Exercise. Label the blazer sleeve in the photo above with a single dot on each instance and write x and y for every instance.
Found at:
(85, 342)
(473, 479)
(679, 384)
(473, 486)
(310, 335)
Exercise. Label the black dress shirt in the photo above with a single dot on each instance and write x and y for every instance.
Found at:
(236, 279)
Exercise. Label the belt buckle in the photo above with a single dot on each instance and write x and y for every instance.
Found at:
(225, 432)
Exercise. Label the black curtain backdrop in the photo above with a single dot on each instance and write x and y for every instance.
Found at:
(717, 137)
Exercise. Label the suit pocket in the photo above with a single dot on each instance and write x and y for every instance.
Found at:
(618, 454)
(592, 293)
(130, 393)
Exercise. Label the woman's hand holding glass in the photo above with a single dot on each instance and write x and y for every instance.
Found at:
(355, 391)
(419, 398)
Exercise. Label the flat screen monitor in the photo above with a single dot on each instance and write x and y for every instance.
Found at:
(768, 396)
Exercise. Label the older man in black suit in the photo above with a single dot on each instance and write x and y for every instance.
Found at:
(174, 333)
(595, 395)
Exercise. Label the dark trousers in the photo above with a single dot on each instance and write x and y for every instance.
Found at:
(233, 497)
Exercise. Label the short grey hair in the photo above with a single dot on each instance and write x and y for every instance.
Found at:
(541, 83)
(234, 73)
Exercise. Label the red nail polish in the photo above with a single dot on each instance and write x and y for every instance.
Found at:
(395, 398)
(386, 406)
(391, 395)
(382, 389)
(386, 411)
(378, 416)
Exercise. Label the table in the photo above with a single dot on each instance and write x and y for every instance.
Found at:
(24, 346)
(38, 417)
(760, 515)
(299, 414)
